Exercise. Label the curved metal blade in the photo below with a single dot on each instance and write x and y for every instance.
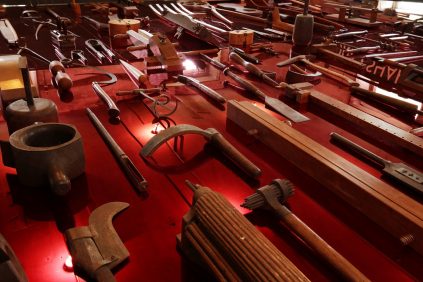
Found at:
(154, 143)
(104, 234)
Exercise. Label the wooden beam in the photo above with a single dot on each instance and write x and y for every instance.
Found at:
(396, 212)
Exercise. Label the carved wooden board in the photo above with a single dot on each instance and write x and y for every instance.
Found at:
(391, 209)
(368, 124)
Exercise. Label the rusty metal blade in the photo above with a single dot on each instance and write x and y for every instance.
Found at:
(104, 234)
(284, 109)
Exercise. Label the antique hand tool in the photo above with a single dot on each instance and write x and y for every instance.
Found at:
(267, 35)
(10, 268)
(245, 56)
(272, 197)
(136, 179)
(252, 69)
(198, 29)
(61, 36)
(215, 234)
(136, 76)
(100, 51)
(278, 24)
(204, 6)
(399, 171)
(22, 113)
(386, 100)
(46, 154)
(112, 109)
(78, 55)
(97, 25)
(97, 249)
(62, 80)
(273, 103)
(303, 27)
(212, 136)
(8, 32)
(333, 74)
(203, 88)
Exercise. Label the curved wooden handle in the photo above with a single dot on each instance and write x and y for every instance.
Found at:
(319, 245)
(239, 159)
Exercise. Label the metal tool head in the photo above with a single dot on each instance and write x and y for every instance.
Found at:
(105, 236)
(295, 60)
(278, 190)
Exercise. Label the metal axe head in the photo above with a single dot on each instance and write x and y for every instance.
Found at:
(294, 60)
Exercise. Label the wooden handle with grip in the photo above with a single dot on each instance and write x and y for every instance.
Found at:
(349, 271)
(63, 81)
(335, 75)
(230, 151)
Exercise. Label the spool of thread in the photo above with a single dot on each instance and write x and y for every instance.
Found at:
(241, 38)
(121, 26)
(302, 34)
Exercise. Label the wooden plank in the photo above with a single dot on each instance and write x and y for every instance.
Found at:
(397, 213)
(370, 125)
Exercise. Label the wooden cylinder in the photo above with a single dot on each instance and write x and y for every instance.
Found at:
(237, 251)
(241, 38)
(121, 26)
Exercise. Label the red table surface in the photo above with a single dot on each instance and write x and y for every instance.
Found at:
(32, 220)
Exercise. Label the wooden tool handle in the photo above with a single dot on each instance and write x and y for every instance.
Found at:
(335, 75)
(239, 159)
(319, 245)
(63, 81)
(248, 86)
(136, 48)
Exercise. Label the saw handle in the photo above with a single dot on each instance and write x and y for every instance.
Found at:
(113, 110)
(317, 244)
(357, 148)
(236, 156)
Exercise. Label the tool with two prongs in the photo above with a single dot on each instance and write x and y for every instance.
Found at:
(96, 249)
(272, 197)
(273, 103)
(333, 74)
(100, 51)
(78, 55)
(213, 136)
(398, 171)
(8, 32)
(203, 88)
(112, 109)
(135, 177)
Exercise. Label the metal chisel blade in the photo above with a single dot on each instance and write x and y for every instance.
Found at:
(285, 110)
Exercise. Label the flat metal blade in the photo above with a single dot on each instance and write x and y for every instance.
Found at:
(104, 234)
(284, 109)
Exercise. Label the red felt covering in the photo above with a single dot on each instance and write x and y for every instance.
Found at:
(32, 220)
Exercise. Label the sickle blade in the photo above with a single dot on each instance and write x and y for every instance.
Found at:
(105, 236)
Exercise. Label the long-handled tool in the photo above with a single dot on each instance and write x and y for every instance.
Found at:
(8, 32)
(273, 103)
(272, 197)
(399, 171)
(333, 74)
(212, 135)
(135, 177)
(203, 88)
